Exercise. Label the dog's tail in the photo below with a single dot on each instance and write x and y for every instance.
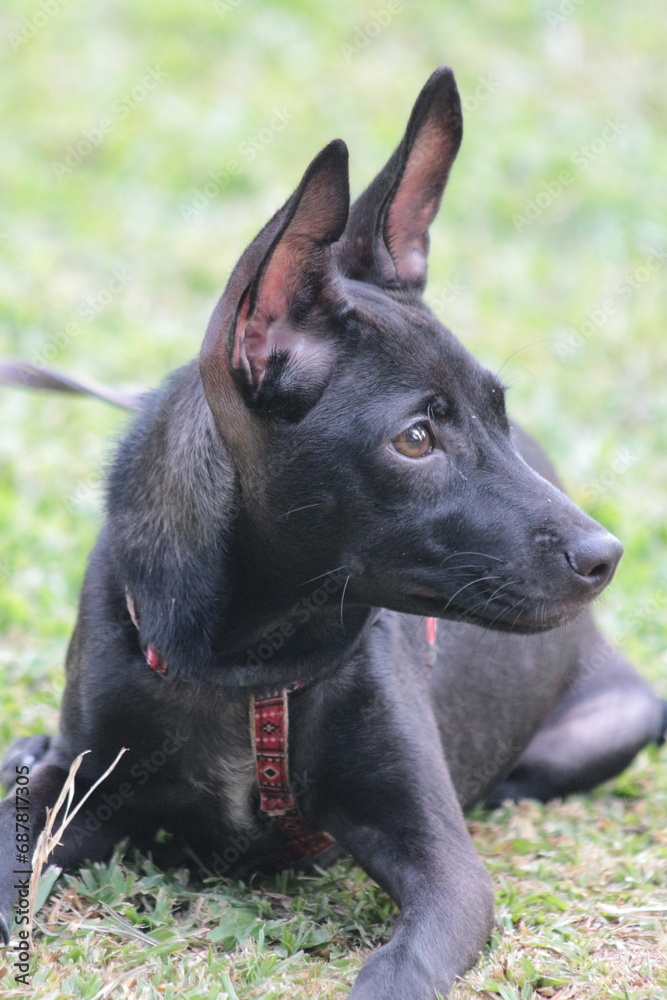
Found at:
(35, 377)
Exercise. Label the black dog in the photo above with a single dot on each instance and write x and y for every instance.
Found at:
(334, 452)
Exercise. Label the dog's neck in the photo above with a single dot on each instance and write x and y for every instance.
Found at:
(175, 539)
(275, 634)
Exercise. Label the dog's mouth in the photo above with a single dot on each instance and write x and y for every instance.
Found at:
(522, 616)
(518, 620)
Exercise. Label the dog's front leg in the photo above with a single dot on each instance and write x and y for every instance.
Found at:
(446, 911)
(393, 807)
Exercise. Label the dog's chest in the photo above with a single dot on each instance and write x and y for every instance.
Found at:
(219, 762)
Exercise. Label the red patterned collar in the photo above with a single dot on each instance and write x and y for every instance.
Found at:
(269, 731)
(269, 728)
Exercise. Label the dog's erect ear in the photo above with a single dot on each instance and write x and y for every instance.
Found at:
(386, 240)
(269, 328)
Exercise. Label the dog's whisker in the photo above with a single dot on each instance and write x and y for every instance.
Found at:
(517, 605)
(484, 555)
(472, 583)
(484, 602)
(342, 598)
(542, 607)
(535, 343)
(329, 572)
(477, 566)
(295, 510)
(508, 583)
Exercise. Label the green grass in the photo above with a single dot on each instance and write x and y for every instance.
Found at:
(580, 886)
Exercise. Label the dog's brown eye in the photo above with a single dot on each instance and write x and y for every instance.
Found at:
(415, 442)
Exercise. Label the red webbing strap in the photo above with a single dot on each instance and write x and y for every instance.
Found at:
(269, 726)
(269, 720)
(431, 630)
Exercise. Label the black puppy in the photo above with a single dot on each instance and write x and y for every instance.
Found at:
(334, 452)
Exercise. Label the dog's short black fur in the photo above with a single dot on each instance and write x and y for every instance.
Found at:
(336, 451)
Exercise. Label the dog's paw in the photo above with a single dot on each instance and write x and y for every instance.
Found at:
(397, 973)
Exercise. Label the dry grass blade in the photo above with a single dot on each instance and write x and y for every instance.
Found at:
(48, 840)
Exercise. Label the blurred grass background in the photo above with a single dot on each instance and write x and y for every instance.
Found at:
(143, 145)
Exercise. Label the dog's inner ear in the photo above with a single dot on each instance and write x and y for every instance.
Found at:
(282, 351)
(417, 200)
(387, 237)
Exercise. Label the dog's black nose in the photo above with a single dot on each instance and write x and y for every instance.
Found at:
(595, 558)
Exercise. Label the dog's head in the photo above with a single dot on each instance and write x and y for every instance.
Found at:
(364, 434)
